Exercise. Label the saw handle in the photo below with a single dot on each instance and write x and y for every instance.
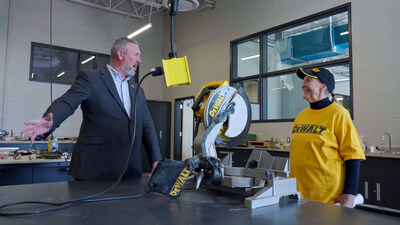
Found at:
(196, 129)
(196, 106)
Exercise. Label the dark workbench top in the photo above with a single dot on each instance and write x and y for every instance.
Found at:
(194, 207)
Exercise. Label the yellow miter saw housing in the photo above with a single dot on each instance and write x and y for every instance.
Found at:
(215, 99)
(202, 97)
(226, 114)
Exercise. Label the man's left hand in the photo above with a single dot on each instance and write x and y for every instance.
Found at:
(346, 200)
(153, 168)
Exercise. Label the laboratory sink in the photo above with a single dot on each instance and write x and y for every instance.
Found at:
(386, 150)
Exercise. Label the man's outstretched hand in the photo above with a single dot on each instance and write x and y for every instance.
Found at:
(33, 128)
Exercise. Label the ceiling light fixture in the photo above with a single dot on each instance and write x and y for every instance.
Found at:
(341, 80)
(140, 31)
(87, 60)
(274, 89)
(59, 75)
(344, 33)
(185, 5)
(250, 57)
(143, 28)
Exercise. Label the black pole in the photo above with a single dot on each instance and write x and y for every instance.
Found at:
(173, 8)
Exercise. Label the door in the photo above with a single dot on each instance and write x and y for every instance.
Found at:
(385, 189)
(183, 134)
(160, 112)
(365, 186)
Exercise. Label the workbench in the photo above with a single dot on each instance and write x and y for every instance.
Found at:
(26, 171)
(204, 206)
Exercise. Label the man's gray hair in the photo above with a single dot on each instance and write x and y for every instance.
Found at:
(119, 44)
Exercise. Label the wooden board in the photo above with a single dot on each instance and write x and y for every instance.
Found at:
(261, 144)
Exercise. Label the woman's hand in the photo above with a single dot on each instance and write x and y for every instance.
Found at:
(346, 200)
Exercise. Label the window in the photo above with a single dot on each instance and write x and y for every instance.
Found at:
(252, 89)
(283, 96)
(247, 56)
(268, 67)
(64, 64)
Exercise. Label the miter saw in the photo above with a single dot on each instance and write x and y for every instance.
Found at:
(226, 114)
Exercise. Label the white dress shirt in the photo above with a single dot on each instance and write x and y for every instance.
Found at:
(122, 88)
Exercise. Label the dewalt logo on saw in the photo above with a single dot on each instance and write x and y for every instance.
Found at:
(217, 104)
(179, 182)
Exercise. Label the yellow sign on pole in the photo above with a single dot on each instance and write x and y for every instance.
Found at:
(176, 71)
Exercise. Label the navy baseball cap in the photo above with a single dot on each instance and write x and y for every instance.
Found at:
(324, 75)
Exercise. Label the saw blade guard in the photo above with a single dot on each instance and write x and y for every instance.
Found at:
(203, 95)
(237, 124)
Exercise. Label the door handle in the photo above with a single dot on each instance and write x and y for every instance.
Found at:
(160, 133)
(366, 189)
(378, 192)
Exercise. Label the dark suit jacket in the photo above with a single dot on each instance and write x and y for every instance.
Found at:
(105, 136)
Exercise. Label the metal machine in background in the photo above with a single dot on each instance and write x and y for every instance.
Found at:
(3, 133)
(226, 114)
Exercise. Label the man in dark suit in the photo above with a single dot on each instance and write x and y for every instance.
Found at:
(106, 97)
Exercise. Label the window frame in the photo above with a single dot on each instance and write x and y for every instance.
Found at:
(263, 60)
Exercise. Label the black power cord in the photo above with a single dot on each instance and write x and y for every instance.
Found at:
(51, 57)
(173, 8)
(155, 72)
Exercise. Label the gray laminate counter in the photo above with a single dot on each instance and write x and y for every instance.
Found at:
(202, 206)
